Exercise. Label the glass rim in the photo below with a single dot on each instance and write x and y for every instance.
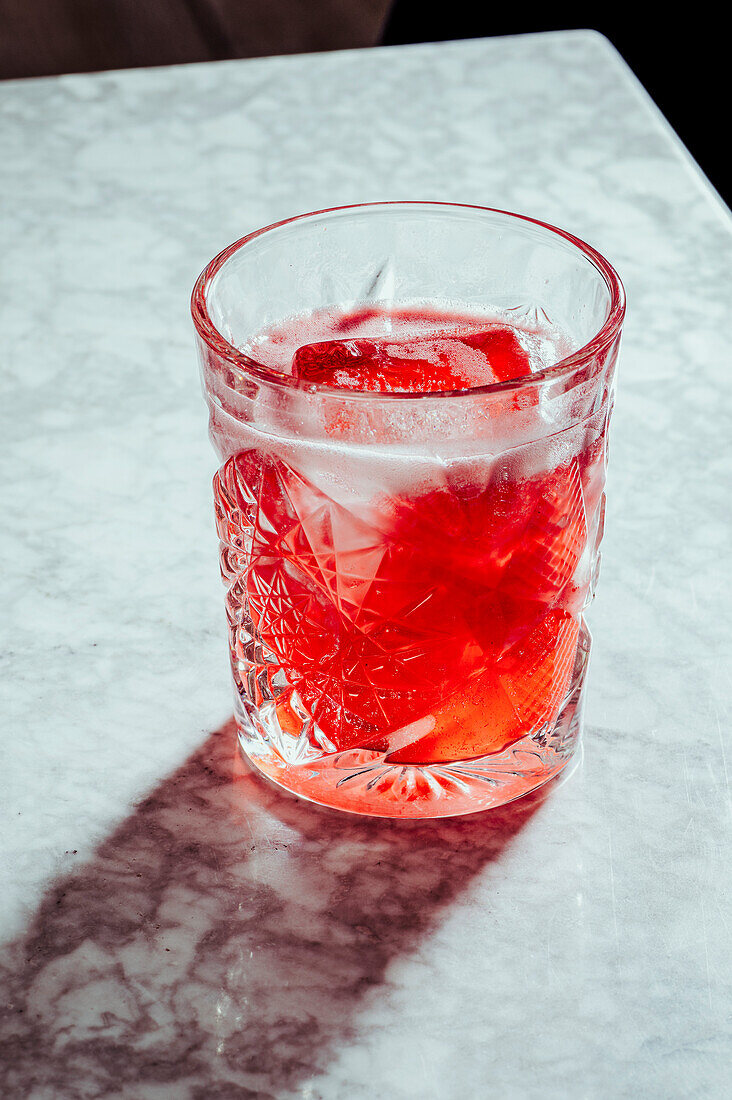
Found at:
(218, 343)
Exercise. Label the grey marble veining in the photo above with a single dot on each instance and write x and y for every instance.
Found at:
(174, 928)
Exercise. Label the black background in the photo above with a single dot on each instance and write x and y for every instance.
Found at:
(681, 55)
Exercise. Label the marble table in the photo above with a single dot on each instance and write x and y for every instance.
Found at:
(174, 928)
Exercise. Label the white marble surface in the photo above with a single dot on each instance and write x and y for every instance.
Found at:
(172, 928)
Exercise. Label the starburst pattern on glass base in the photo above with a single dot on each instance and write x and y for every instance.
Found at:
(361, 781)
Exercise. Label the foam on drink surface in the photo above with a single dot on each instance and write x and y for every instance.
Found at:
(400, 446)
(409, 331)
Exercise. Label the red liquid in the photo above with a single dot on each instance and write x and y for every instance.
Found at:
(439, 624)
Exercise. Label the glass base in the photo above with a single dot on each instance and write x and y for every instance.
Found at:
(362, 782)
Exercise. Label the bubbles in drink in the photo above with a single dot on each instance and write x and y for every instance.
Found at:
(407, 573)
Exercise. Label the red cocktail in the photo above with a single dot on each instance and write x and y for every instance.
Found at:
(409, 508)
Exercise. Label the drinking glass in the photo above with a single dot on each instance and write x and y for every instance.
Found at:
(407, 573)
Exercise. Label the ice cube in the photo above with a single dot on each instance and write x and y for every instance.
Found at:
(381, 366)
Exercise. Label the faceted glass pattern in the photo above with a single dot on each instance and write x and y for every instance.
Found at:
(406, 629)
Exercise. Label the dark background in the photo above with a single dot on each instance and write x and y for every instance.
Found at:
(680, 55)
